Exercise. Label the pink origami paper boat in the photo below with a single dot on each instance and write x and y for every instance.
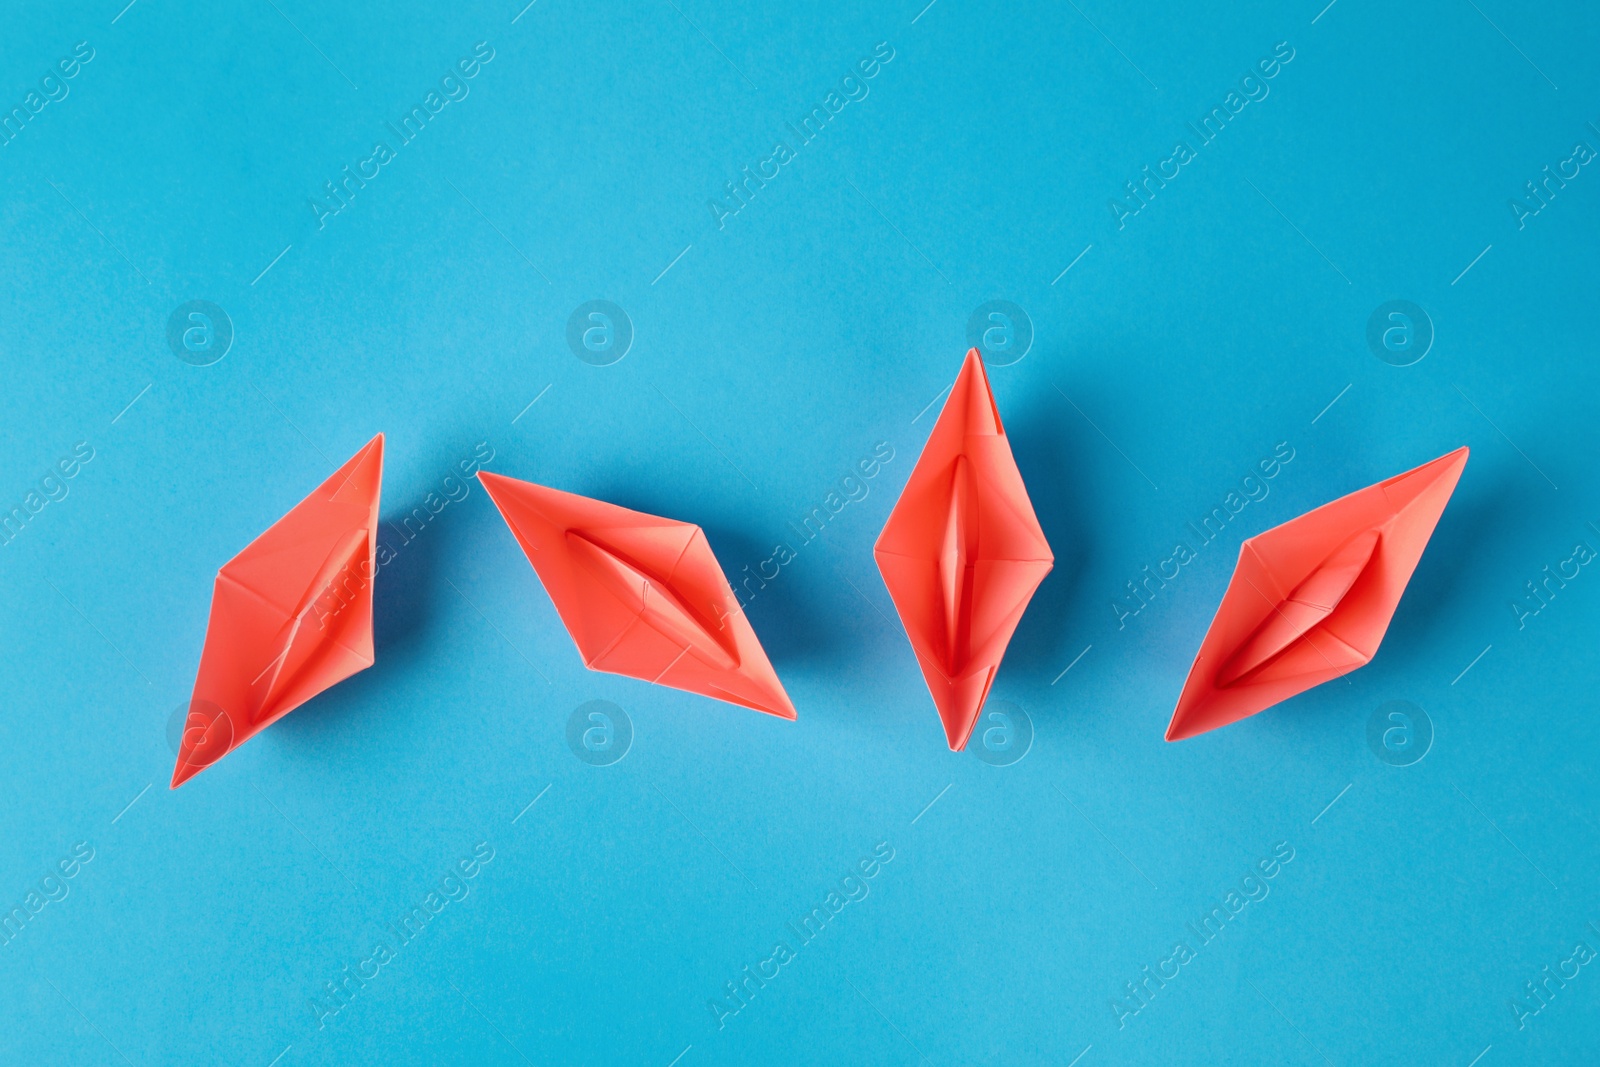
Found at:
(1311, 600)
(641, 595)
(962, 552)
(291, 615)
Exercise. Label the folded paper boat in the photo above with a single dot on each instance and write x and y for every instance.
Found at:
(291, 615)
(962, 552)
(641, 595)
(1311, 600)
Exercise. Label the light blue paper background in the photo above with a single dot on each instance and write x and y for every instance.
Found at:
(777, 351)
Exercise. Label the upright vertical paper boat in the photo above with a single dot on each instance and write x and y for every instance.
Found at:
(291, 615)
(1311, 600)
(962, 552)
(641, 595)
